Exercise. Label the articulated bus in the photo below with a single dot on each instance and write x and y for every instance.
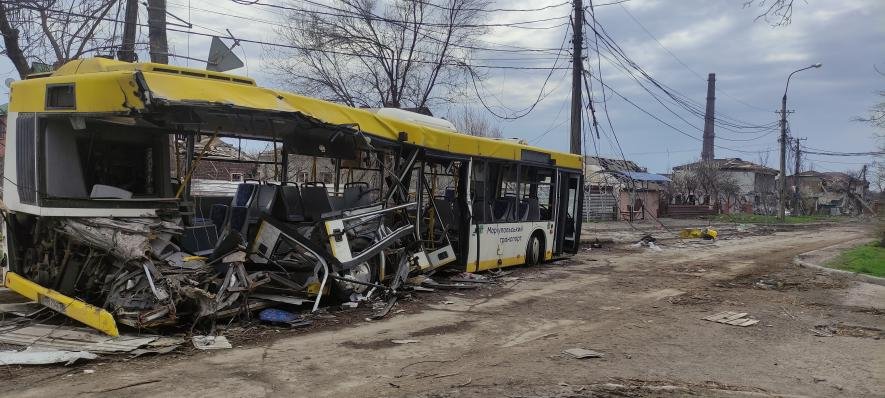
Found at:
(100, 212)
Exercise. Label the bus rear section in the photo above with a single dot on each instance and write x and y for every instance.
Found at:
(522, 213)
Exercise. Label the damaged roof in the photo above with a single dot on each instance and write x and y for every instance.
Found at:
(109, 86)
(612, 164)
(732, 164)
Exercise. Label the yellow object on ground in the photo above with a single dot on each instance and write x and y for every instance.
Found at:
(91, 315)
(698, 233)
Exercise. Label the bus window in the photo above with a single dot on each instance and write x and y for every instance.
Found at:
(107, 161)
(504, 206)
(478, 192)
(536, 200)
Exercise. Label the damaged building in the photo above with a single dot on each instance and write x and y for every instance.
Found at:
(830, 193)
(619, 189)
(729, 185)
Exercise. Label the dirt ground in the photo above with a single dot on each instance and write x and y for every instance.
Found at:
(818, 335)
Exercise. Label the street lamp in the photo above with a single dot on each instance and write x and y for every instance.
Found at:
(783, 183)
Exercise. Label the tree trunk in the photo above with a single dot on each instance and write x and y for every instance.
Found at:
(10, 41)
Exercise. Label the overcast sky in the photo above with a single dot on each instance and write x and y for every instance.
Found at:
(751, 60)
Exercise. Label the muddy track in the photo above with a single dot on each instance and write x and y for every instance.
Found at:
(818, 335)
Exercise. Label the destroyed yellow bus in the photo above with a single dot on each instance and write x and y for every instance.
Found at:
(102, 225)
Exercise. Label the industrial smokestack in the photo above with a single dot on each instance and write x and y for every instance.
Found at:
(709, 117)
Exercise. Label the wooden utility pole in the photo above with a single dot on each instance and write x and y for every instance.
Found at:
(130, 24)
(709, 118)
(797, 208)
(159, 48)
(577, 75)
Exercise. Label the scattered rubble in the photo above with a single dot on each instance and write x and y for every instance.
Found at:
(732, 318)
(37, 357)
(706, 233)
(211, 342)
(581, 353)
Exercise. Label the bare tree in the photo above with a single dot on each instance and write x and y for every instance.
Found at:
(371, 53)
(470, 120)
(775, 12)
(54, 31)
(708, 179)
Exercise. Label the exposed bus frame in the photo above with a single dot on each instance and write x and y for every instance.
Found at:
(192, 102)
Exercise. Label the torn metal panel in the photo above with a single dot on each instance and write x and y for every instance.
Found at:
(64, 338)
(33, 357)
(127, 239)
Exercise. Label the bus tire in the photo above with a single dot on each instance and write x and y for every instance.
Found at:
(534, 251)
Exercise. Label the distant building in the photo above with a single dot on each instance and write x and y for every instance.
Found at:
(731, 185)
(830, 193)
(620, 189)
(219, 171)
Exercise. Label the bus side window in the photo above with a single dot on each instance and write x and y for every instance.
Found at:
(536, 193)
(478, 192)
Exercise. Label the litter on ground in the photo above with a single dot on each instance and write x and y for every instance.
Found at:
(211, 342)
(732, 318)
(581, 353)
(37, 357)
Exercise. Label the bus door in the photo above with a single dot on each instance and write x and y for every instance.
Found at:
(568, 206)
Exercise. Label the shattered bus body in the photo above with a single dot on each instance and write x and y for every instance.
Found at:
(101, 224)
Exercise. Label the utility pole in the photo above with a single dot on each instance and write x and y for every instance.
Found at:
(797, 207)
(127, 47)
(783, 183)
(577, 75)
(709, 117)
(781, 213)
(159, 48)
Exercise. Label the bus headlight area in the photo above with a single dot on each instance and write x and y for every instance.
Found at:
(109, 220)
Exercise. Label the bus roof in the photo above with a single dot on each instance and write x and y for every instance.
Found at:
(100, 85)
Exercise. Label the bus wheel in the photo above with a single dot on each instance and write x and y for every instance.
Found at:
(533, 251)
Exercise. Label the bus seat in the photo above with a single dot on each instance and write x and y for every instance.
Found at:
(263, 203)
(446, 214)
(522, 210)
(315, 200)
(502, 209)
(337, 202)
(450, 195)
(529, 210)
(237, 218)
(237, 214)
(534, 211)
(354, 194)
(217, 213)
(244, 194)
(290, 206)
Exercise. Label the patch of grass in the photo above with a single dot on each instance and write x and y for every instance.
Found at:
(865, 259)
(765, 219)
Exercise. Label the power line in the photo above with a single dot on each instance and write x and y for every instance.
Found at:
(679, 60)
(374, 17)
(244, 40)
(541, 93)
(674, 128)
(623, 62)
(227, 13)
